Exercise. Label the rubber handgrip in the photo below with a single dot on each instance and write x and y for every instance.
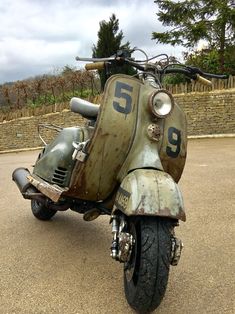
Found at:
(203, 81)
(94, 66)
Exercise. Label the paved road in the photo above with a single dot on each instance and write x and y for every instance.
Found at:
(63, 266)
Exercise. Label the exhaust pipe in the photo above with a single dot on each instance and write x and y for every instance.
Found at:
(19, 176)
(28, 191)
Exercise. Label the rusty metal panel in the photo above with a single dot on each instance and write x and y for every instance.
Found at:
(96, 178)
(159, 143)
(144, 150)
(150, 192)
(173, 142)
(52, 191)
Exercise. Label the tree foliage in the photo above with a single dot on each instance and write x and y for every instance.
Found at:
(208, 60)
(109, 42)
(193, 20)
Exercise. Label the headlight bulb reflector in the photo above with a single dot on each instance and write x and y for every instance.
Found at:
(161, 103)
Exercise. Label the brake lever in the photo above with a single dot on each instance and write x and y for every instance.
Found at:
(194, 70)
(198, 75)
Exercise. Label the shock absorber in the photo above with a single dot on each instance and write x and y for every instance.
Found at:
(115, 228)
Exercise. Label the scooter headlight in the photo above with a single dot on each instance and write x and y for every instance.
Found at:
(161, 103)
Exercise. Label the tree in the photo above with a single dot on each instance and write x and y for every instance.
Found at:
(109, 42)
(67, 70)
(193, 20)
(208, 60)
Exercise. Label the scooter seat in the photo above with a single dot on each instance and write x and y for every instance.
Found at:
(85, 108)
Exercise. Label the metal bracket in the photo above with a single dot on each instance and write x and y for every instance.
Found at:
(52, 191)
(47, 126)
(123, 242)
(126, 243)
(79, 152)
(176, 249)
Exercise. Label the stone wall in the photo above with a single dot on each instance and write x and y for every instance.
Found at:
(23, 132)
(207, 113)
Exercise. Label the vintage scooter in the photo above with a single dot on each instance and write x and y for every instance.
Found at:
(126, 163)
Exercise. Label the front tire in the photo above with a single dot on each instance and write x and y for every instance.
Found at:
(146, 274)
(41, 212)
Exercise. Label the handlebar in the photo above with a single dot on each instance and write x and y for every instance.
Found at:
(190, 71)
(95, 66)
(203, 80)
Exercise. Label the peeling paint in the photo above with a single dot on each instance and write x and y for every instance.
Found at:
(152, 192)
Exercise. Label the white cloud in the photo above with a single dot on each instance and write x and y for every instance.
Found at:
(37, 36)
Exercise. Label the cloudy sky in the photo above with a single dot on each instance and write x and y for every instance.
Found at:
(41, 36)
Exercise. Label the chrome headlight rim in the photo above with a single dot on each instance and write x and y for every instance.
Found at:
(151, 103)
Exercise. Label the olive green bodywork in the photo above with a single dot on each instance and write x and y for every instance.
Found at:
(55, 162)
(96, 178)
(129, 145)
(173, 143)
(150, 192)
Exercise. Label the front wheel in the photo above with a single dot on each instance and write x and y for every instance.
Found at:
(146, 273)
(40, 211)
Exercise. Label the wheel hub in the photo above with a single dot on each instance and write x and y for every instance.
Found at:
(126, 242)
(176, 249)
(123, 242)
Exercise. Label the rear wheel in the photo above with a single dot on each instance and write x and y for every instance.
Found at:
(41, 212)
(146, 274)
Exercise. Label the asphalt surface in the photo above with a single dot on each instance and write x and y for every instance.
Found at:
(63, 266)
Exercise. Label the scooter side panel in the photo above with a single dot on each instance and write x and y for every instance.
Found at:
(168, 153)
(55, 164)
(96, 178)
(150, 192)
(173, 143)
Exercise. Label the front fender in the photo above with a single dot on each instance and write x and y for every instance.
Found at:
(150, 192)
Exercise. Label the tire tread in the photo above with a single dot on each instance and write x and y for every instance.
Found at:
(155, 251)
(41, 212)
